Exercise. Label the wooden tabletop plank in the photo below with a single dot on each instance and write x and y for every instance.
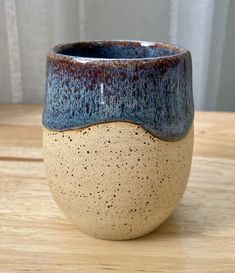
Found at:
(215, 134)
(36, 236)
(20, 132)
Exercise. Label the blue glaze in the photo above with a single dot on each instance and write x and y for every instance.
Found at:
(86, 87)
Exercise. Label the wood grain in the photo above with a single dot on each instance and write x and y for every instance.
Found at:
(35, 235)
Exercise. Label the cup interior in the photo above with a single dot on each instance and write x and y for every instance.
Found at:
(117, 50)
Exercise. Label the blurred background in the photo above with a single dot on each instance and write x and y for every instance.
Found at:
(206, 27)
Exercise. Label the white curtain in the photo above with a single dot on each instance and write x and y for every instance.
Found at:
(206, 27)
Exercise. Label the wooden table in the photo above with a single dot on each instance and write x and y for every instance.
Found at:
(35, 235)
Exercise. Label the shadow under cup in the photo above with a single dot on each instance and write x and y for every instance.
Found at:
(118, 133)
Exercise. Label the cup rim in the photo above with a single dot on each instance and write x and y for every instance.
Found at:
(57, 51)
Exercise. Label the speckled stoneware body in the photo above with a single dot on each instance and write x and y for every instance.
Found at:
(118, 134)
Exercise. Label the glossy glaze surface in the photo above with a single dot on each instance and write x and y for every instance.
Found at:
(149, 84)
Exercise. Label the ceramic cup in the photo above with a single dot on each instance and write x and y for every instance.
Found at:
(118, 133)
